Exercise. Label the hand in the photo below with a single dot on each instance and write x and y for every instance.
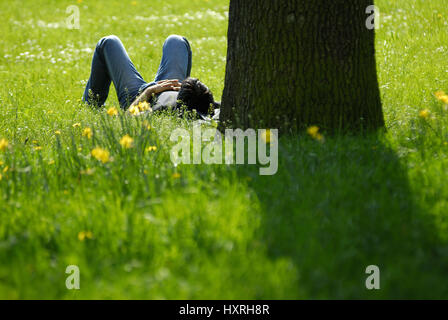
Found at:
(161, 86)
(166, 85)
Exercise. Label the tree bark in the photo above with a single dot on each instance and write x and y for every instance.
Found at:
(297, 63)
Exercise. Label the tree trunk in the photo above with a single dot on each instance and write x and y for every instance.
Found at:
(297, 63)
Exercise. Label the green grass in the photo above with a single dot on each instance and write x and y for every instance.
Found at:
(222, 232)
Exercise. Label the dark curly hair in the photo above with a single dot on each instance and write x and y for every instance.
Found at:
(196, 96)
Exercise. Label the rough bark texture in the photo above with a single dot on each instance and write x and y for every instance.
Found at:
(296, 63)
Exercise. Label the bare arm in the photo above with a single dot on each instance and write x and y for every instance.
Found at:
(161, 86)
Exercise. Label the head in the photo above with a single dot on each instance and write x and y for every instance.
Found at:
(196, 95)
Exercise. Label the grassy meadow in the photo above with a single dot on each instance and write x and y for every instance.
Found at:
(139, 227)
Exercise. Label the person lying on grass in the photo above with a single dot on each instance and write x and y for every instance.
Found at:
(171, 88)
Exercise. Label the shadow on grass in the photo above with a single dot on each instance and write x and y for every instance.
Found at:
(336, 208)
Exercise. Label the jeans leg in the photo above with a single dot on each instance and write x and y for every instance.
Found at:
(99, 81)
(112, 63)
(176, 59)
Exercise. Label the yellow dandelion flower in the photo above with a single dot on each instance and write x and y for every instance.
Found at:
(1, 163)
(87, 132)
(3, 144)
(151, 148)
(176, 175)
(134, 3)
(83, 235)
(313, 131)
(57, 132)
(100, 154)
(266, 136)
(424, 114)
(444, 99)
(76, 125)
(5, 169)
(127, 142)
(1, 177)
(134, 110)
(37, 148)
(112, 111)
(439, 94)
(143, 106)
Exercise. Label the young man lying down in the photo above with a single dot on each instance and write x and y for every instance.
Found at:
(171, 88)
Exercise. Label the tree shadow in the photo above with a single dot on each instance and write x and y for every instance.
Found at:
(336, 207)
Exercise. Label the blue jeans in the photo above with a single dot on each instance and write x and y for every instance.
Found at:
(111, 63)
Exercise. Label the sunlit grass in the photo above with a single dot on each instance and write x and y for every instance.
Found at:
(97, 188)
